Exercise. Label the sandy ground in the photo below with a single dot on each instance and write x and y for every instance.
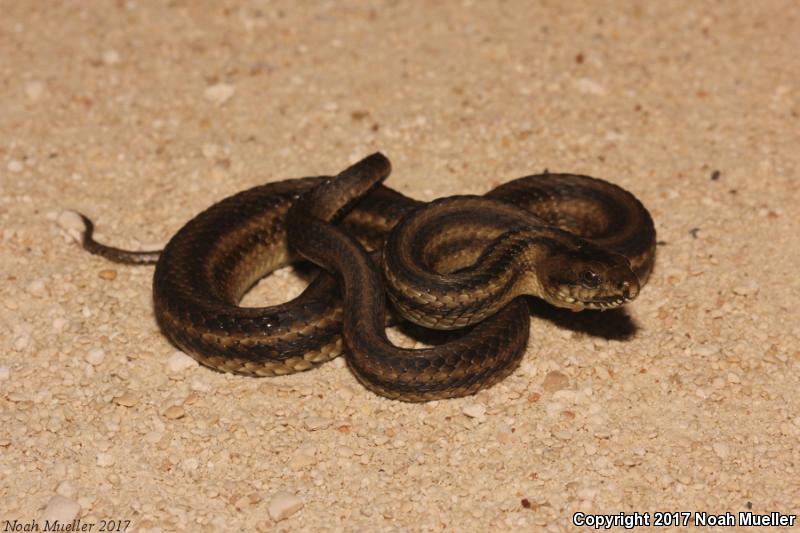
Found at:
(140, 114)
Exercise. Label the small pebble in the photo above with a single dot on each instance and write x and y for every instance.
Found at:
(15, 166)
(16, 397)
(210, 150)
(107, 274)
(22, 342)
(345, 393)
(66, 489)
(303, 457)
(748, 289)
(60, 509)
(95, 356)
(153, 437)
(179, 361)
(284, 505)
(555, 381)
(59, 323)
(111, 57)
(72, 223)
(721, 449)
(191, 399)
(602, 372)
(198, 385)
(564, 434)
(220, 93)
(174, 412)
(706, 350)
(34, 89)
(190, 464)
(314, 423)
(475, 410)
(105, 459)
(37, 287)
(588, 86)
(5, 372)
(126, 399)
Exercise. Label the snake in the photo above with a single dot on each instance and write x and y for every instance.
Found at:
(462, 262)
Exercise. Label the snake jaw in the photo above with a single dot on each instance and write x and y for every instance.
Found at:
(576, 305)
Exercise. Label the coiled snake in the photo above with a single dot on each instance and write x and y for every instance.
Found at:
(573, 241)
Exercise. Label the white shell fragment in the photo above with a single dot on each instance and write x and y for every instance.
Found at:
(283, 505)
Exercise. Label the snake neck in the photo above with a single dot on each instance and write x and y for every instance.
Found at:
(508, 268)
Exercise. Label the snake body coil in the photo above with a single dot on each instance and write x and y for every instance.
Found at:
(574, 241)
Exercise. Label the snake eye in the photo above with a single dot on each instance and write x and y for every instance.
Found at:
(589, 279)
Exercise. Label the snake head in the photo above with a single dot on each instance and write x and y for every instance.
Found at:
(588, 277)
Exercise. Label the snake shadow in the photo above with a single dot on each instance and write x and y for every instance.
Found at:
(612, 324)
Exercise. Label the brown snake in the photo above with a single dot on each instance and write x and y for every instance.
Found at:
(574, 241)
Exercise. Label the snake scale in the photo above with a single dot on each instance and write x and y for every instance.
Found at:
(459, 262)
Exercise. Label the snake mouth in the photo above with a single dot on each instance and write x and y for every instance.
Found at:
(595, 304)
(606, 303)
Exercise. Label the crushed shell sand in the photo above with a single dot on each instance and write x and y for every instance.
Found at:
(686, 402)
